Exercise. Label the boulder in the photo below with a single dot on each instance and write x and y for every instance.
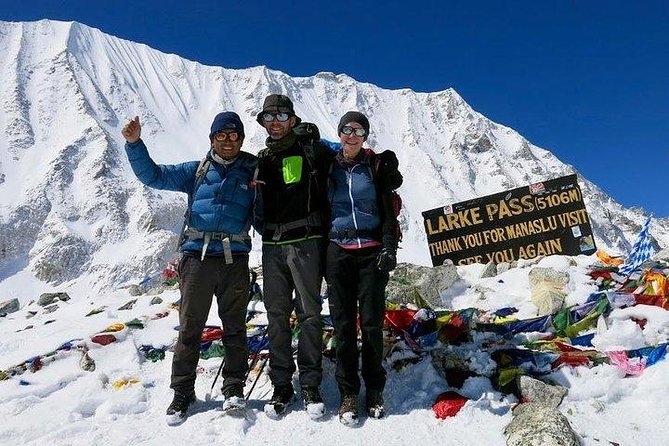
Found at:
(49, 298)
(489, 271)
(9, 306)
(135, 290)
(547, 289)
(536, 391)
(539, 425)
(428, 282)
(156, 300)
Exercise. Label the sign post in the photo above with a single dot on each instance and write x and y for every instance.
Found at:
(541, 219)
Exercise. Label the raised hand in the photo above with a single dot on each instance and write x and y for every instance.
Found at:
(132, 130)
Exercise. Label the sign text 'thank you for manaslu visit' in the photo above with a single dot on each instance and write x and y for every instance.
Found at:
(540, 219)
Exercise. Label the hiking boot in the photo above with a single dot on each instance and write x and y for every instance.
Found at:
(234, 398)
(282, 397)
(177, 411)
(313, 403)
(374, 404)
(348, 410)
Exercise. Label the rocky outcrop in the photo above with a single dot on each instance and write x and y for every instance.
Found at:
(428, 282)
(9, 306)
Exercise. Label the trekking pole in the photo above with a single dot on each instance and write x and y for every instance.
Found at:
(255, 381)
(254, 360)
(207, 397)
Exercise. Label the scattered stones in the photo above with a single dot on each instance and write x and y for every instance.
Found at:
(429, 282)
(128, 305)
(50, 308)
(9, 306)
(97, 310)
(135, 290)
(86, 363)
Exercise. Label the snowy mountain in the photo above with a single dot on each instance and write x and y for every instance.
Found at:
(72, 211)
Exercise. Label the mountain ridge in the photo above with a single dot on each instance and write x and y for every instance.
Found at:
(74, 211)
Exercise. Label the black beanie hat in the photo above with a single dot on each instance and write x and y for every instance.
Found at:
(277, 103)
(227, 121)
(354, 116)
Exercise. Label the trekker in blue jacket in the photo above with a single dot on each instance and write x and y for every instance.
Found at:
(214, 245)
(362, 250)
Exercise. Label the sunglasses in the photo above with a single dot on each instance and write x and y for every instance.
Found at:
(348, 130)
(281, 117)
(223, 136)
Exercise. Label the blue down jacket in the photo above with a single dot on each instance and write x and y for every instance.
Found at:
(223, 203)
(354, 206)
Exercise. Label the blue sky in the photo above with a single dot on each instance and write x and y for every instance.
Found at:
(588, 80)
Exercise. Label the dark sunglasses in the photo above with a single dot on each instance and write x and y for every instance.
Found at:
(281, 117)
(223, 136)
(348, 130)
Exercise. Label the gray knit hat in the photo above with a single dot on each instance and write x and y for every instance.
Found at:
(353, 116)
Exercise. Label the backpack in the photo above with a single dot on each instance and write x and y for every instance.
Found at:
(307, 133)
(386, 162)
(200, 173)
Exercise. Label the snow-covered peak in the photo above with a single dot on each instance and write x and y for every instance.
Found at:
(71, 209)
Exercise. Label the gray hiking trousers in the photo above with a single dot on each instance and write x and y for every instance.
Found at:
(288, 268)
(199, 280)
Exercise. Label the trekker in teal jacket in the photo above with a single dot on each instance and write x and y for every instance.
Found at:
(214, 244)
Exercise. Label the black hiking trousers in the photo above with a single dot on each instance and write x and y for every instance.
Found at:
(357, 287)
(287, 268)
(198, 282)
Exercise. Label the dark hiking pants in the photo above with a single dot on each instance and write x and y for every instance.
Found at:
(288, 268)
(199, 280)
(357, 286)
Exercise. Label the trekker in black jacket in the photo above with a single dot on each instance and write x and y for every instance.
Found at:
(292, 177)
(361, 252)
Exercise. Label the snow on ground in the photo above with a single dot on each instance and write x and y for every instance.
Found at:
(63, 405)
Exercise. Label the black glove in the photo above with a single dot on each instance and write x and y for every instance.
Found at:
(386, 261)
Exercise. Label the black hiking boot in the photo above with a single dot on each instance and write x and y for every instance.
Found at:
(282, 397)
(374, 404)
(313, 403)
(234, 398)
(348, 410)
(177, 411)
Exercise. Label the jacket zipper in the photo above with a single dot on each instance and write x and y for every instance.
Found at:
(349, 173)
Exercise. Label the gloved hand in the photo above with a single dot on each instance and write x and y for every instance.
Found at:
(386, 261)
